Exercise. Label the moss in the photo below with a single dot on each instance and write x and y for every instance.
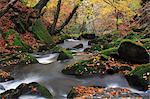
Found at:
(65, 54)
(17, 41)
(140, 70)
(146, 43)
(85, 68)
(43, 90)
(24, 89)
(17, 58)
(9, 32)
(134, 36)
(110, 51)
(27, 58)
(41, 32)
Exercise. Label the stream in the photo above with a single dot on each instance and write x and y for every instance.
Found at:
(48, 73)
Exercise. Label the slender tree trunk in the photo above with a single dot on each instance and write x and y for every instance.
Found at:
(40, 5)
(7, 7)
(56, 16)
(68, 19)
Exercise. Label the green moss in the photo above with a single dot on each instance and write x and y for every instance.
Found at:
(85, 68)
(130, 41)
(41, 32)
(19, 42)
(134, 36)
(65, 54)
(43, 90)
(146, 43)
(142, 68)
(9, 32)
(110, 51)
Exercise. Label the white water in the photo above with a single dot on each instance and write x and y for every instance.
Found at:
(47, 59)
(15, 83)
(31, 97)
(70, 43)
(50, 75)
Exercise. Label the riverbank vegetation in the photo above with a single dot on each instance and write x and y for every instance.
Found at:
(117, 32)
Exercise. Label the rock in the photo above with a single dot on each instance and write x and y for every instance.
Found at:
(137, 82)
(132, 52)
(87, 50)
(98, 92)
(2, 87)
(110, 71)
(86, 68)
(88, 36)
(124, 68)
(30, 89)
(142, 71)
(65, 54)
(78, 46)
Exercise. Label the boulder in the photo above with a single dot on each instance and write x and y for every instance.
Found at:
(98, 92)
(142, 72)
(132, 52)
(30, 89)
(86, 68)
(65, 54)
(78, 46)
(137, 82)
(2, 87)
(88, 36)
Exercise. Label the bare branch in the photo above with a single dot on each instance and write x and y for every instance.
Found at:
(68, 19)
(56, 16)
(39, 6)
(7, 7)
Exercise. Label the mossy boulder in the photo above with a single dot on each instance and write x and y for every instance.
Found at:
(132, 52)
(65, 54)
(136, 82)
(142, 71)
(105, 42)
(7, 59)
(86, 68)
(27, 89)
(98, 92)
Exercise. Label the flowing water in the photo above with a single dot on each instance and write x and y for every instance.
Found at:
(50, 76)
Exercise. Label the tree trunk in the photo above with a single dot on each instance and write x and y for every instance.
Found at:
(40, 5)
(68, 19)
(56, 16)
